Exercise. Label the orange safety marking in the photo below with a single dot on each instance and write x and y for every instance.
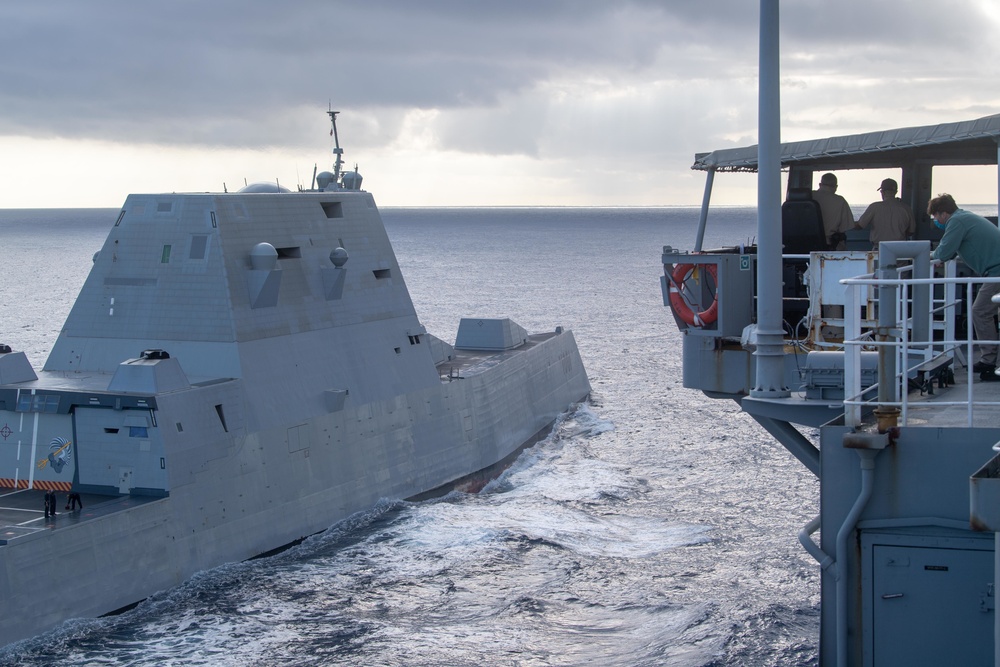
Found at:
(11, 483)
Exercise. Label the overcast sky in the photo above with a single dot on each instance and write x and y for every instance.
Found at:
(462, 102)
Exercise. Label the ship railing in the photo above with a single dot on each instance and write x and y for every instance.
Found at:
(901, 356)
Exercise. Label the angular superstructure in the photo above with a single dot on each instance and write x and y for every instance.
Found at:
(240, 371)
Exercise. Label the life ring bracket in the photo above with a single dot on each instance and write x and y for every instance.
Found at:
(686, 311)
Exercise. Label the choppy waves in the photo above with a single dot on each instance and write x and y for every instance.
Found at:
(560, 561)
(652, 527)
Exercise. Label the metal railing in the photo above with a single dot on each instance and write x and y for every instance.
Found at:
(908, 355)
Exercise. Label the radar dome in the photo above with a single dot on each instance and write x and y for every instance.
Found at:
(255, 188)
(338, 256)
(323, 179)
(263, 257)
(352, 180)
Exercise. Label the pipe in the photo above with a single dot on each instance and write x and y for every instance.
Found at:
(867, 484)
(814, 550)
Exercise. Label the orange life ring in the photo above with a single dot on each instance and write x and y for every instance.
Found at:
(680, 305)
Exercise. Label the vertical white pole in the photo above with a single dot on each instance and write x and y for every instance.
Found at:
(852, 354)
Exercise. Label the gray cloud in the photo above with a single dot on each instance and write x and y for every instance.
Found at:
(141, 70)
(542, 79)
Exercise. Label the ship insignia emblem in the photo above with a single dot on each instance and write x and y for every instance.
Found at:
(60, 452)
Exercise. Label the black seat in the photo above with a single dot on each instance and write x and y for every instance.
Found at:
(801, 233)
(802, 224)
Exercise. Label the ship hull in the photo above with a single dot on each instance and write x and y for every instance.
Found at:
(239, 372)
(255, 495)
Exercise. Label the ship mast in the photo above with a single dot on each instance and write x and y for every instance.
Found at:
(337, 150)
(770, 333)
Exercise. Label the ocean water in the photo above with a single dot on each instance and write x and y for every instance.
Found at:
(652, 527)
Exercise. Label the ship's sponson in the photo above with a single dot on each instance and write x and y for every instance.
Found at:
(224, 400)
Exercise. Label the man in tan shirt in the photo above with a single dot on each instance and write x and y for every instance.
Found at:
(836, 212)
(890, 219)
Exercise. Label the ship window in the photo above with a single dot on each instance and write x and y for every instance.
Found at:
(289, 253)
(180, 429)
(165, 256)
(215, 223)
(120, 216)
(199, 242)
(138, 432)
(414, 340)
(397, 350)
(38, 403)
(333, 209)
(164, 207)
(111, 431)
(381, 273)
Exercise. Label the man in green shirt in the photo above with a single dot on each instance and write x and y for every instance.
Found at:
(977, 241)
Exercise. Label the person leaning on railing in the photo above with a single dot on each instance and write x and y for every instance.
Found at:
(977, 241)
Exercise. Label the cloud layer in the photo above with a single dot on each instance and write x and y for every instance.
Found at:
(582, 92)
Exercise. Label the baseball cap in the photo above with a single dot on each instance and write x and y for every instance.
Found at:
(889, 185)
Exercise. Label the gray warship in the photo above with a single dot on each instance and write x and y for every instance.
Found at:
(242, 370)
(859, 362)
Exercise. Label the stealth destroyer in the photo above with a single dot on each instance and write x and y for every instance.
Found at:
(241, 370)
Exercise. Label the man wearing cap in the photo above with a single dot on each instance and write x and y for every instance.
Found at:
(977, 241)
(890, 219)
(836, 212)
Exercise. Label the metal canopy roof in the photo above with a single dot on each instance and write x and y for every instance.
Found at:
(970, 142)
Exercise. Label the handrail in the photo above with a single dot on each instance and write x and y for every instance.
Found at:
(897, 337)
